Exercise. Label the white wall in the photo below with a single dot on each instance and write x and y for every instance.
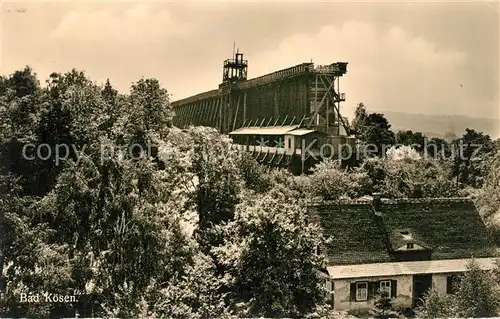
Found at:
(342, 298)
(439, 283)
(342, 290)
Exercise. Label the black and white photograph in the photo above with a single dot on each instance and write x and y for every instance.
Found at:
(249, 159)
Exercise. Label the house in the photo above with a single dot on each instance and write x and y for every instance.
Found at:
(291, 146)
(404, 246)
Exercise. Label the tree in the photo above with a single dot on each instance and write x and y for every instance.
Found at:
(330, 182)
(359, 121)
(374, 131)
(470, 151)
(253, 174)
(113, 106)
(409, 138)
(149, 109)
(405, 173)
(382, 306)
(477, 296)
(436, 306)
(273, 253)
(488, 199)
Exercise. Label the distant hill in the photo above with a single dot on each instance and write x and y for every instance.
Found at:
(439, 125)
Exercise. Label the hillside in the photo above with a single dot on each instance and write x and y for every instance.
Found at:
(438, 125)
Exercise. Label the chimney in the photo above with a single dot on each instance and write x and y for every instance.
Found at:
(376, 201)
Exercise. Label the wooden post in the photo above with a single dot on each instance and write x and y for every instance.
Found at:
(220, 122)
(236, 114)
(245, 105)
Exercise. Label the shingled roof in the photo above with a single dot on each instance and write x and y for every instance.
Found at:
(354, 234)
(450, 227)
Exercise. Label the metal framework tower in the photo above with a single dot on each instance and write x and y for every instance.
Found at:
(325, 98)
(234, 71)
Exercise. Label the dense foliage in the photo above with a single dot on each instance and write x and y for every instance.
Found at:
(101, 198)
(477, 296)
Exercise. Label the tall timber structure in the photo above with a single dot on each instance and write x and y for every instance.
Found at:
(303, 97)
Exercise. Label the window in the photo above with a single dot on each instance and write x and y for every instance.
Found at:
(289, 143)
(386, 285)
(409, 246)
(361, 291)
(451, 284)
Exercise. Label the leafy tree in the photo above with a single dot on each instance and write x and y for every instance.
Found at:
(113, 107)
(149, 110)
(273, 250)
(438, 149)
(405, 173)
(488, 199)
(470, 151)
(330, 182)
(436, 306)
(253, 174)
(373, 130)
(477, 296)
(383, 307)
(409, 138)
(359, 122)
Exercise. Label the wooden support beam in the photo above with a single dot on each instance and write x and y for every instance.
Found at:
(185, 120)
(192, 118)
(284, 121)
(262, 122)
(276, 101)
(216, 112)
(211, 113)
(244, 105)
(204, 113)
(269, 122)
(196, 113)
(179, 116)
(220, 121)
(188, 115)
(236, 113)
(302, 121)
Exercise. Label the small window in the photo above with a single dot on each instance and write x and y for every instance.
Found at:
(289, 143)
(409, 246)
(361, 291)
(386, 286)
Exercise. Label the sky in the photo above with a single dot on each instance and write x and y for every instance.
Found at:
(415, 57)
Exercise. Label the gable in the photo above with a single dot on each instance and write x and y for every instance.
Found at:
(410, 247)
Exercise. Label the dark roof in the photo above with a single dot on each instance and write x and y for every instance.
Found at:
(450, 227)
(354, 235)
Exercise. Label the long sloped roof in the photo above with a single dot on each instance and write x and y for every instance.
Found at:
(451, 228)
(354, 234)
(267, 130)
(406, 268)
